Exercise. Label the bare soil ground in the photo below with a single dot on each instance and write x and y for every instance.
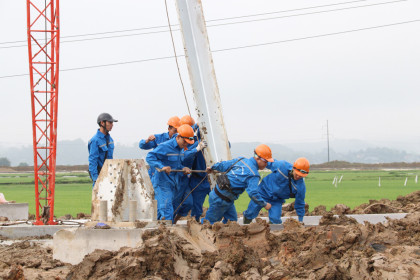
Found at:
(339, 248)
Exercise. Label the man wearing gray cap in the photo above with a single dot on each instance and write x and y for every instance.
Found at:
(101, 146)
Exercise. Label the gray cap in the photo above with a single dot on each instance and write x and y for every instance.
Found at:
(105, 117)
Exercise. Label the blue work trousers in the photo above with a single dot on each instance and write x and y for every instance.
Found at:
(183, 189)
(164, 196)
(199, 195)
(219, 209)
(274, 214)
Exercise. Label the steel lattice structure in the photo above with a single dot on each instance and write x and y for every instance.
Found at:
(43, 48)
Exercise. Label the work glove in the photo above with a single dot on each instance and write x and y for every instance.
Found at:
(201, 145)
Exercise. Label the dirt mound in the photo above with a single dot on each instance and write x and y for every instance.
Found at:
(403, 204)
(337, 249)
(29, 260)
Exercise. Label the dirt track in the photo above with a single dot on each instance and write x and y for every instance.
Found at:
(337, 249)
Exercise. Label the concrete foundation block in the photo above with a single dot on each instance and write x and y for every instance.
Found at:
(14, 211)
(72, 245)
(122, 181)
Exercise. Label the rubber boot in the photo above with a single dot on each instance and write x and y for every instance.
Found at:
(247, 221)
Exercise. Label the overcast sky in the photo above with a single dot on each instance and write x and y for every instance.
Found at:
(366, 83)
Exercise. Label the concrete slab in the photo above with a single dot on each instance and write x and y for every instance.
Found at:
(14, 211)
(26, 230)
(72, 245)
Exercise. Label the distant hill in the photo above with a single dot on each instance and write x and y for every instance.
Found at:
(74, 152)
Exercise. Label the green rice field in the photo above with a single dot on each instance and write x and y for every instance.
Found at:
(73, 190)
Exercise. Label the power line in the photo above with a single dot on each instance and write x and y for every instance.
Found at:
(305, 14)
(285, 11)
(233, 48)
(221, 24)
(316, 36)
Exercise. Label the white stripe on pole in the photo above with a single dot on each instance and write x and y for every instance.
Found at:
(405, 183)
(333, 182)
(415, 180)
(379, 184)
(340, 178)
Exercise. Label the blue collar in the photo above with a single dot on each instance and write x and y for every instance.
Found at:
(101, 135)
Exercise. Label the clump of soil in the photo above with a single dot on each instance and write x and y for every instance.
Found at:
(29, 260)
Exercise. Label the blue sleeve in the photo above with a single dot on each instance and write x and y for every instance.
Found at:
(147, 146)
(222, 166)
(153, 158)
(189, 155)
(300, 200)
(252, 190)
(93, 160)
(273, 165)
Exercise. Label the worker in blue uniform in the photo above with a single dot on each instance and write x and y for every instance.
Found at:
(242, 174)
(285, 181)
(191, 201)
(167, 156)
(101, 146)
(155, 139)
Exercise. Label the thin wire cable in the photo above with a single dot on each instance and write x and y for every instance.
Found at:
(306, 14)
(285, 11)
(176, 57)
(176, 210)
(221, 19)
(228, 49)
(316, 36)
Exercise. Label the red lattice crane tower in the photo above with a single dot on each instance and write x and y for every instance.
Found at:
(43, 48)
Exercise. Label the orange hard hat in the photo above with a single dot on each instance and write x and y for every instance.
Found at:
(263, 151)
(186, 132)
(174, 121)
(301, 167)
(187, 120)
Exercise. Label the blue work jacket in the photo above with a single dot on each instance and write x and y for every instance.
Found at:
(166, 154)
(160, 138)
(243, 176)
(275, 186)
(98, 147)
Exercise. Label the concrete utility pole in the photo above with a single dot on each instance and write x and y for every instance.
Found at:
(203, 80)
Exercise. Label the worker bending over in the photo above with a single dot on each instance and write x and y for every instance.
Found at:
(165, 157)
(241, 174)
(101, 146)
(285, 182)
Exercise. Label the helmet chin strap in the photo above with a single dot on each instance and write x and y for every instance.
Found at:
(104, 127)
